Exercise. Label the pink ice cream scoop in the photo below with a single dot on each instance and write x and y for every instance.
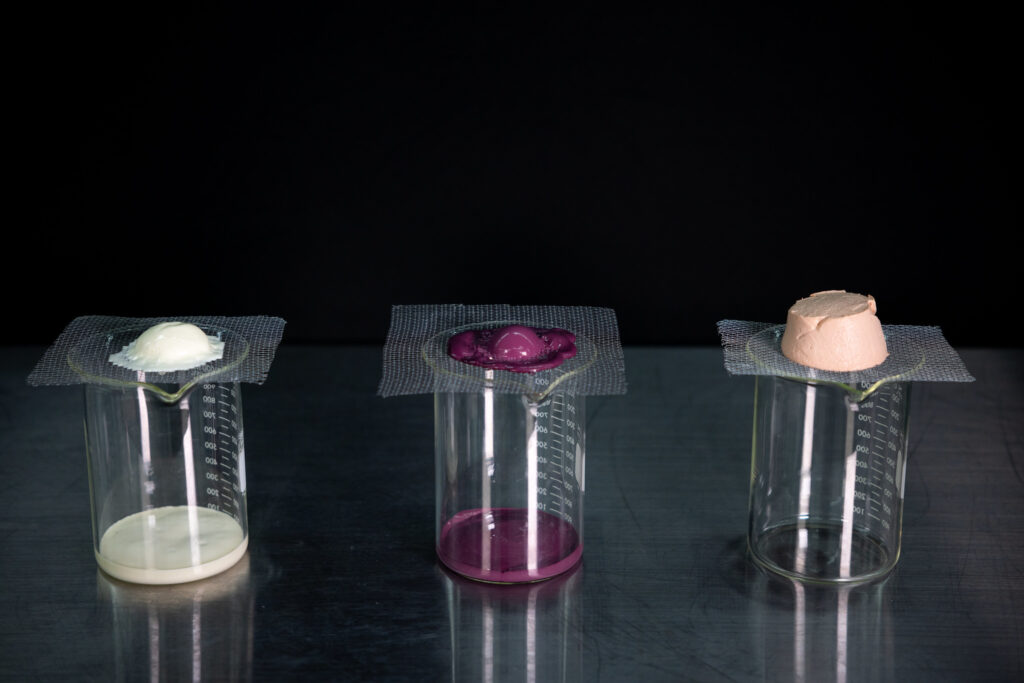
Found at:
(516, 348)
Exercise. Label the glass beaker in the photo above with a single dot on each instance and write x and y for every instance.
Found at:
(509, 484)
(166, 481)
(827, 479)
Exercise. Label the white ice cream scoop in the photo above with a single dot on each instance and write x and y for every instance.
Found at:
(168, 347)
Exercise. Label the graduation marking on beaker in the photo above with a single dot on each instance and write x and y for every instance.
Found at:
(877, 450)
(558, 436)
(223, 445)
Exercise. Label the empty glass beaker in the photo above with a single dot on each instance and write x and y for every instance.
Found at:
(509, 484)
(827, 478)
(166, 480)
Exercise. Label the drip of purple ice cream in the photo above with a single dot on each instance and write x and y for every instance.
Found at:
(515, 347)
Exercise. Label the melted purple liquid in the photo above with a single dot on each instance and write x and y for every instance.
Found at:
(492, 545)
(515, 347)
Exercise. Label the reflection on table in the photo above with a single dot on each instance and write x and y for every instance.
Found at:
(198, 631)
(523, 632)
(812, 632)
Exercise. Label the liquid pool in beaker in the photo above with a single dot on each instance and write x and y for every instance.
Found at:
(827, 479)
(495, 545)
(510, 484)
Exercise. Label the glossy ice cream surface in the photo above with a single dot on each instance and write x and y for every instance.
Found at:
(516, 348)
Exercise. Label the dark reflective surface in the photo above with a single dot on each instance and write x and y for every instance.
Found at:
(806, 632)
(525, 632)
(342, 581)
(193, 631)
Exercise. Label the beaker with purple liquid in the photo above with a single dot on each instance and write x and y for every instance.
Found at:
(509, 484)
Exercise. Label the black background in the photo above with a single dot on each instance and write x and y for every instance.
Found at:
(681, 166)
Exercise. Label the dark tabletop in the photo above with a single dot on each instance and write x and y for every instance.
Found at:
(341, 581)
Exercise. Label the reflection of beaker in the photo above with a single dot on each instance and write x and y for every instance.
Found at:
(509, 484)
(167, 481)
(197, 631)
(807, 632)
(826, 489)
(529, 632)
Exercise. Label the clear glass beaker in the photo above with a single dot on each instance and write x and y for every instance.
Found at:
(509, 484)
(827, 479)
(166, 481)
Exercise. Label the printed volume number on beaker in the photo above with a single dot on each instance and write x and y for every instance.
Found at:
(878, 444)
(557, 443)
(224, 477)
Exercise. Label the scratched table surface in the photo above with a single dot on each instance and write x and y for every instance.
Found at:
(341, 582)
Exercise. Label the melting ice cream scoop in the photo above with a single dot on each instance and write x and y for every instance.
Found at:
(515, 347)
(168, 347)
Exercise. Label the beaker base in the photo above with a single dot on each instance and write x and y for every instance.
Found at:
(814, 552)
(172, 544)
(496, 545)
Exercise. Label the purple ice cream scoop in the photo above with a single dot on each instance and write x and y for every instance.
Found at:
(516, 348)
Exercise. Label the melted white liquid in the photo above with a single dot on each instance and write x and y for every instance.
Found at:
(171, 544)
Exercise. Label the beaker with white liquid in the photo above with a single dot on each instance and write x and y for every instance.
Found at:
(167, 481)
(164, 437)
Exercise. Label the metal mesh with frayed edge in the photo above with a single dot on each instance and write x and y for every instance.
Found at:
(416, 357)
(82, 351)
(916, 354)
